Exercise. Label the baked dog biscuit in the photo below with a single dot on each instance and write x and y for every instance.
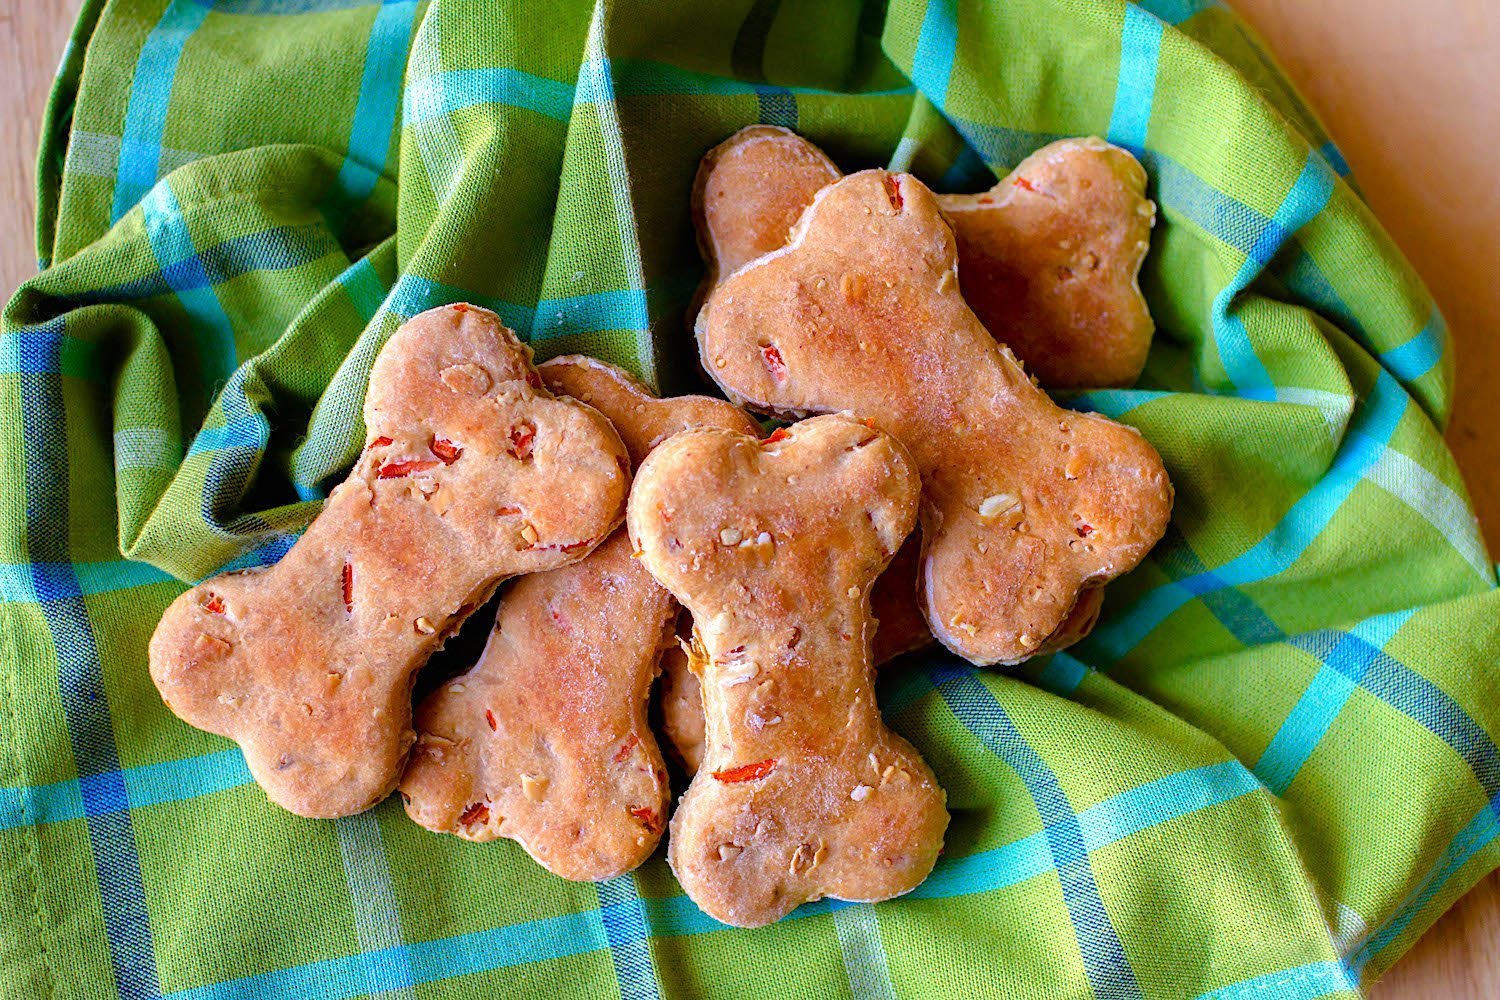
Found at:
(1048, 258)
(803, 791)
(749, 192)
(899, 628)
(643, 420)
(545, 740)
(471, 473)
(1024, 504)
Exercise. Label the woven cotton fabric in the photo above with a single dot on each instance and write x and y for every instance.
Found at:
(1269, 769)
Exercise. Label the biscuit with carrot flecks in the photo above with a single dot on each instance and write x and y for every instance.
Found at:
(545, 740)
(471, 473)
(1048, 258)
(803, 791)
(899, 628)
(749, 192)
(1024, 504)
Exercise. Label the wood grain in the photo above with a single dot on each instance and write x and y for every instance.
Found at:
(32, 33)
(1408, 90)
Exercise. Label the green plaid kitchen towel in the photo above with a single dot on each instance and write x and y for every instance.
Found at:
(1271, 767)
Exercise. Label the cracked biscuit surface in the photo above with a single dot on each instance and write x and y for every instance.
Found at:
(803, 791)
(1025, 505)
(545, 740)
(472, 473)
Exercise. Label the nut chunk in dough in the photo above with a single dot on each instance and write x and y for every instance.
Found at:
(472, 473)
(545, 740)
(803, 792)
(1024, 504)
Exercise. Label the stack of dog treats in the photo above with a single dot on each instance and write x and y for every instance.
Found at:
(761, 576)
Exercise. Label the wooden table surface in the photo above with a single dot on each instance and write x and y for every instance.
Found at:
(1409, 90)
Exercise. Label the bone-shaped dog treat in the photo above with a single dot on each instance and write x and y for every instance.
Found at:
(644, 421)
(750, 190)
(1024, 504)
(472, 473)
(803, 792)
(900, 628)
(1048, 258)
(545, 740)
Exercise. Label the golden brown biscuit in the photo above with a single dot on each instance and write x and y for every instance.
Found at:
(1024, 504)
(472, 473)
(803, 792)
(545, 740)
(643, 419)
(1048, 258)
(749, 192)
(899, 628)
